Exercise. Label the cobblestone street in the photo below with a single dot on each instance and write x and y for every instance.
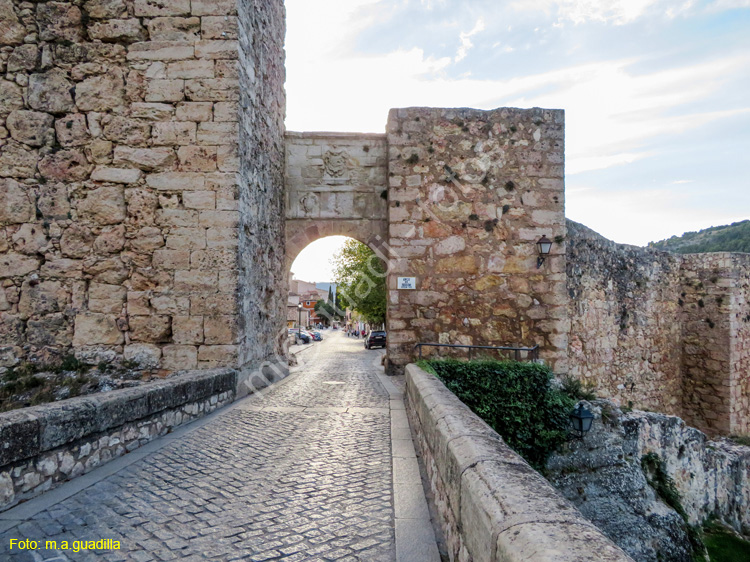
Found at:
(303, 472)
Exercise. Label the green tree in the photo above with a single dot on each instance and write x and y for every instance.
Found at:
(361, 275)
(326, 311)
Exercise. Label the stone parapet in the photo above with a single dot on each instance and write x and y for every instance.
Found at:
(45, 445)
(492, 505)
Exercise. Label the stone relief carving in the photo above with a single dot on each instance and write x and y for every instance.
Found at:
(336, 164)
(309, 205)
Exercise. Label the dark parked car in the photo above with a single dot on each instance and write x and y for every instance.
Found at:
(375, 339)
(301, 336)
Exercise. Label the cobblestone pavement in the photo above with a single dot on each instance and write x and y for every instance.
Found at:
(301, 473)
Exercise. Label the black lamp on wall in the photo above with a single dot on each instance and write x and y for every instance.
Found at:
(581, 420)
(544, 247)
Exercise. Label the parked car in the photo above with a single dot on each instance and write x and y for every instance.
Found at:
(300, 335)
(376, 338)
(316, 335)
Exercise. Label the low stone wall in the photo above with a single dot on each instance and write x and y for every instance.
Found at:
(492, 505)
(46, 445)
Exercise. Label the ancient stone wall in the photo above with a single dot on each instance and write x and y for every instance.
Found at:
(625, 331)
(335, 185)
(119, 203)
(470, 193)
(262, 275)
(716, 340)
(661, 331)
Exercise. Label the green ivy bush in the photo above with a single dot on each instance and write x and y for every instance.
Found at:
(516, 399)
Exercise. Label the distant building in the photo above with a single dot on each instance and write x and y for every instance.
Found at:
(307, 294)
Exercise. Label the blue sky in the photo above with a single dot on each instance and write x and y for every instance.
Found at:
(656, 92)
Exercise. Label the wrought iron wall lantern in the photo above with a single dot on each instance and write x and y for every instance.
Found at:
(581, 420)
(544, 247)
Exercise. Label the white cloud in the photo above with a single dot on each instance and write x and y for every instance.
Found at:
(466, 43)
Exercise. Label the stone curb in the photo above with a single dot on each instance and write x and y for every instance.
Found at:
(497, 506)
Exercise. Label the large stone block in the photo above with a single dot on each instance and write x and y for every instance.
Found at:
(59, 21)
(51, 92)
(12, 265)
(16, 204)
(19, 432)
(94, 328)
(101, 93)
(66, 165)
(105, 205)
(72, 130)
(11, 96)
(31, 127)
(179, 357)
(174, 29)
(12, 31)
(120, 30)
(154, 8)
(147, 159)
(17, 160)
(105, 9)
(151, 329)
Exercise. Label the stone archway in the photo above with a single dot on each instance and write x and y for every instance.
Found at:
(336, 184)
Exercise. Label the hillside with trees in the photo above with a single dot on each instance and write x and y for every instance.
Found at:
(733, 237)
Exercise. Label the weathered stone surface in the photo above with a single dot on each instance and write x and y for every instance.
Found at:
(59, 21)
(147, 240)
(24, 57)
(31, 127)
(94, 328)
(65, 165)
(103, 9)
(219, 27)
(194, 111)
(150, 328)
(72, 130)
(12, 31)
(165, 90)
(152, 111)
(15, 203)
(124, 30)
(146, 356)
(127, 131)
(161, 51)
(101, 93)
(147, 159)
(53, 201)
(105, 205)
(174, 29)
(116, 175)
(179, 357)
(11, 96)
(51, 92)
(175, 133)
(152, 8)
(30, 239)
(17, 160)
(76, 241)
(111, 240)
(39, 298)
(12, 265)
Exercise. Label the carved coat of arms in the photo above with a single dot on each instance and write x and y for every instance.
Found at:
(336, 163)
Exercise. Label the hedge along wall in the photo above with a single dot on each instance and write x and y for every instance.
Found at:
(119, 193)
(44, 446)
(491, 504)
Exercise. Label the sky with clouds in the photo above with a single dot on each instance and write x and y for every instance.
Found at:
(656, 92)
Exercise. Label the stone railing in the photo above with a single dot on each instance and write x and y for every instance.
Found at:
(492, 505)
(46, 445)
